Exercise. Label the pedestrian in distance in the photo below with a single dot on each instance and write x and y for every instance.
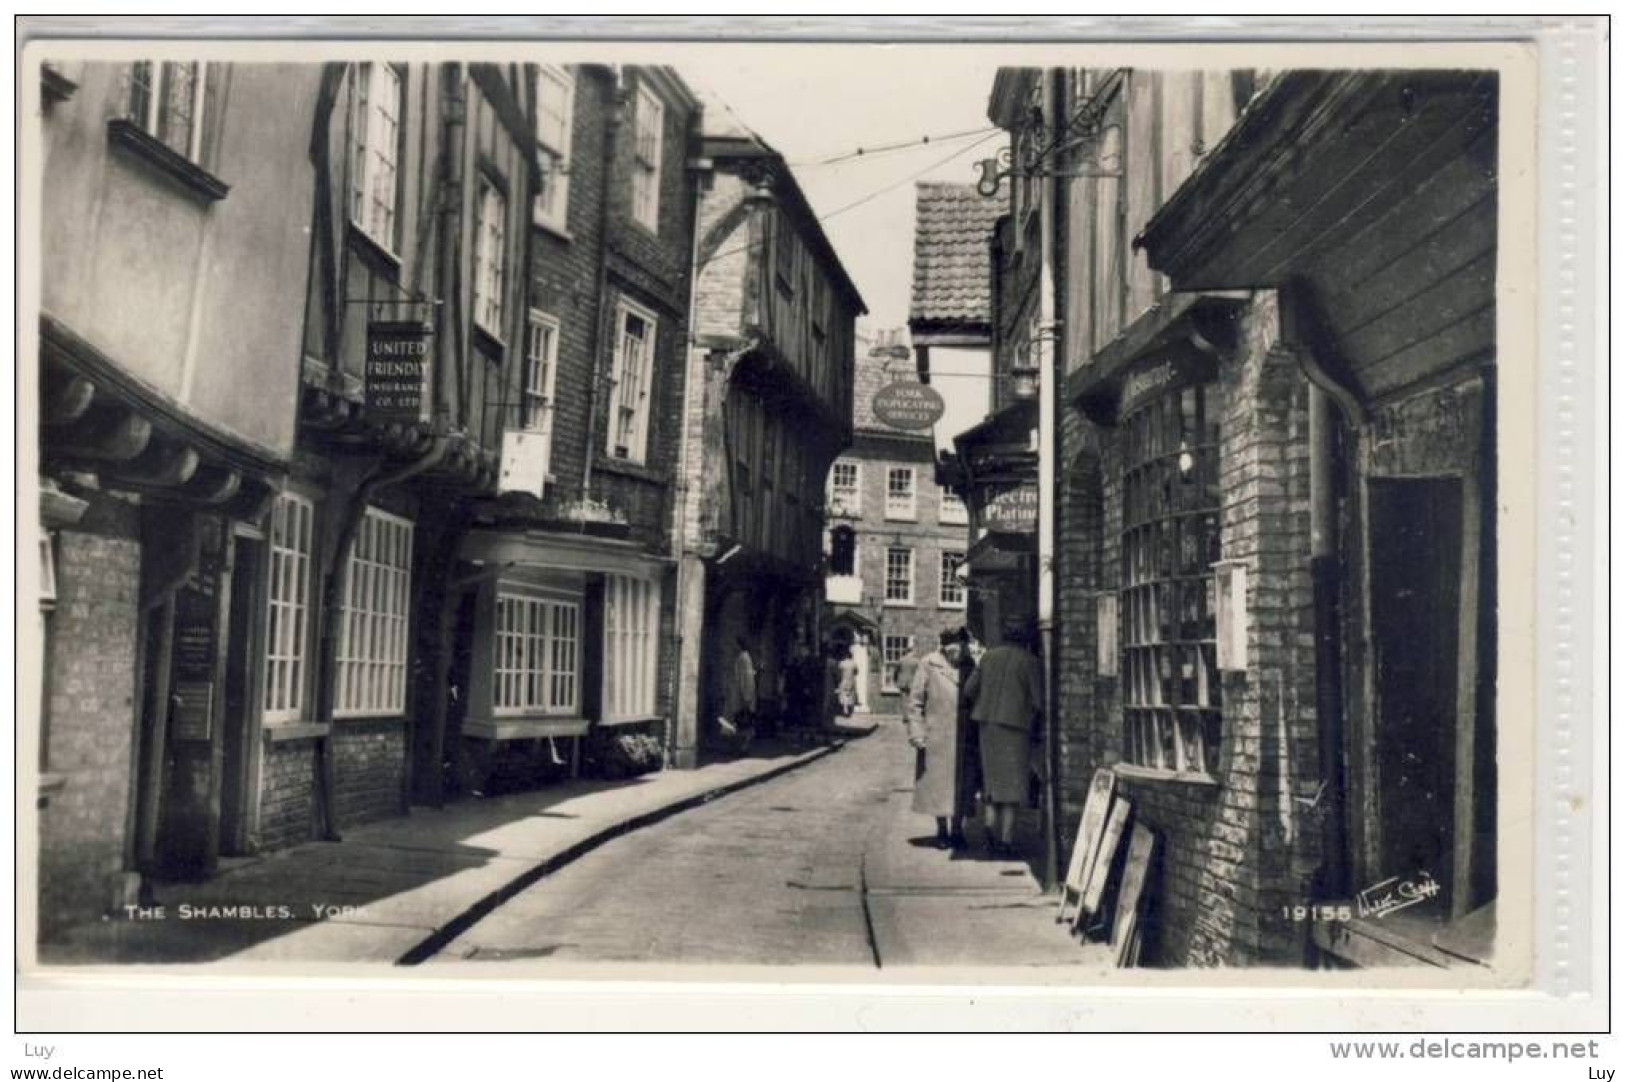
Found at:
(848, 666)
(740, 716)
(1006, 694)
(934, 720)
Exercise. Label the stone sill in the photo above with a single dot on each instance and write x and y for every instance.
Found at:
(196, 180)
(558, 232)
(1147, 773)
(615, 723)
(626, 468)
(284, 732)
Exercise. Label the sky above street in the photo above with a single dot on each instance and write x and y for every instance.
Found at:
(812, 104)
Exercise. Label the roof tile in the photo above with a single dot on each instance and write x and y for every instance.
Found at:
(953, 225)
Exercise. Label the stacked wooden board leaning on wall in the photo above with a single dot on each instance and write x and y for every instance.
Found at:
(1104, 893)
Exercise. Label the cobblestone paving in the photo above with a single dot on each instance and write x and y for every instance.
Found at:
(824, 866)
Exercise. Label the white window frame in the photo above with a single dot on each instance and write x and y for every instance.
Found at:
(951, 510)
(631, 385)
(290, 548)
(554, 141)
(375, 619)
(888, 663)
(539, 379)
(631, 648)
(900, 507)
(950, 591)
(374, 197)
(152, 116)
(846, 506)
(887, 580)
(490, 256)
(536, 655)
(648, 144)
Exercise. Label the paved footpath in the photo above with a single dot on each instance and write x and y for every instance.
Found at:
(825, 866)
(395, 889)
(807, 857)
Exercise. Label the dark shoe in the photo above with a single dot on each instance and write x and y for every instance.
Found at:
(957, 841)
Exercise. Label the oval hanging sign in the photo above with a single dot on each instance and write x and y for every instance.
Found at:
(908, 405)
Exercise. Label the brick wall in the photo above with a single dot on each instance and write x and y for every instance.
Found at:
(90, 699)
(1235, 852)
(564, 280)
(287, 795)
(369, 769)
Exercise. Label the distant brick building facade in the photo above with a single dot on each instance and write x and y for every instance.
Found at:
(895, 541)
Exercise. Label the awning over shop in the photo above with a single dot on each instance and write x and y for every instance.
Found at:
(998, 552)
(560, 552)
(1371, 195)
(1004, 444)
(1176, 341)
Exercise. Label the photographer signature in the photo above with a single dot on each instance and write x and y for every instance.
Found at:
(1393, 894)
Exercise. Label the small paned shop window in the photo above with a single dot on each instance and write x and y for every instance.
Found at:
(287, 616)
(538, 656)
(376, 607)
(632, 647)
(168, 101)
(1172, 706)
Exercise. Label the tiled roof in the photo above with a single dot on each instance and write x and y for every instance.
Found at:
(952, 229)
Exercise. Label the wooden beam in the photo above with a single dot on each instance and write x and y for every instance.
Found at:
(112, 433)
(161, 465)
(65, 401)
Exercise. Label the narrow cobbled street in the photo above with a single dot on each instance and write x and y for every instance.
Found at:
(826, 865)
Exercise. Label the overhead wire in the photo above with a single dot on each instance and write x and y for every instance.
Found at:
(876, 194)
(919, 143)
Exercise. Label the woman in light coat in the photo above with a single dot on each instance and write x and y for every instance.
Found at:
(933, 729)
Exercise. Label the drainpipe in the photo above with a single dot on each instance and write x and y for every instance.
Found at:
(1333, 403)
(1048, 400)
(332, 591)
(1325, 573)
(601, 336)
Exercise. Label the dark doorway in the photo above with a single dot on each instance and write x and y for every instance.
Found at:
(1416, 556)
(237, 760)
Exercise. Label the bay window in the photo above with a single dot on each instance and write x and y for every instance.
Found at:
(631, 647)
(538, 656)
(1171, 690)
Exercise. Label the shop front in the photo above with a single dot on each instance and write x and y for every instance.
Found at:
(557, 663)
(1379, 242)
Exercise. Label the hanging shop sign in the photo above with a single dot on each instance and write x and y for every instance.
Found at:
(1015, 510)
(908, 405)
(397, 364)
